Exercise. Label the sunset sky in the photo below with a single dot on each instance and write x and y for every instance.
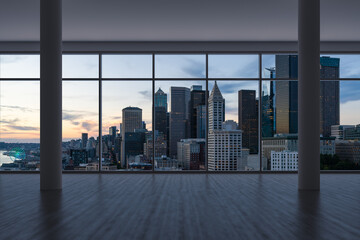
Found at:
(20, 100)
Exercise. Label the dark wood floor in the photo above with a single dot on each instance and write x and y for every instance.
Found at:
(180, 206)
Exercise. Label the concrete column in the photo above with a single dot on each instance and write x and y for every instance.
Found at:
(50, 94)
(309, 94)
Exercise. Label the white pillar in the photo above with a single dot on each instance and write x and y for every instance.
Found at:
(309, 95)
(50, 94)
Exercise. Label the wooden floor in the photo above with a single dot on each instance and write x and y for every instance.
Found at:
(180, 206)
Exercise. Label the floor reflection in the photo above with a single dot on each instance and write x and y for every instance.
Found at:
(308, 215)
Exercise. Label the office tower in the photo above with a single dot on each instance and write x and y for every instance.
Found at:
(267, 108)
(112, 134)
(248, 119)
(329, 95)
(224, 139)
(286, 94)
(197, 98)
(201, 121)
(216, 109)
(179, 117)
(131, 119)
(191, 153)
(132, 143)
(225, 148)
(160, 99)
(160, 120)
(84, 140)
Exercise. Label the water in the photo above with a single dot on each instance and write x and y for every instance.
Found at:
(4, 158)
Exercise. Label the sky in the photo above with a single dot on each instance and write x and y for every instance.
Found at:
(20, 100)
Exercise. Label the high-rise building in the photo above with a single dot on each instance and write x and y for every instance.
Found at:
(112, 134)
(248, 119)
(84, 140)
(329, 95)
(267, 108)
(191, 153)
(201, 121)
(131, 119)
(286, 94)
(132, 143)
(225, 148)
(197, 99)
(160, 99)
(160, 120)
(216, 109)
(224, 139)
(179, 117)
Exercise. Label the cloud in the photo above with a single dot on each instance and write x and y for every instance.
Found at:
(70, 117)
(88, 125)
(10, 121)
(146, 94)
(24, 128)
(194, 68)
(12, 107)
(349, 91)
(116, 117)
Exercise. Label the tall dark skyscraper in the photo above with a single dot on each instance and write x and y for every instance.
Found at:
(197, 98)
(179, 117)
(248, 119)
(286, 94)
(84, 140)
(329, 95)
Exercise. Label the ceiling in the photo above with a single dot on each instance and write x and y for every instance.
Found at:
(179, 20)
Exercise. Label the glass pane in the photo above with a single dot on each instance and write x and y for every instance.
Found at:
(279, 124)
(180, 118)
(340, 118)
(19, 125)
(233, 126)
(80, 125)
(127, 66)
(127, 125)
(180, 66)
(348, 65)
(80, 66)
(19, 66)
(233, 66)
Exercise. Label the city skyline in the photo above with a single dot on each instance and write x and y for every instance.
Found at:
(20, 100)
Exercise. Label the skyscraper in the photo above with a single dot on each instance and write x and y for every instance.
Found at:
(248, 119)
(197, 99)
(216, 109)
(131, 120)
(179, 117)
(286, 94)
(329, 95)
(84, 140)
(224, 139)
(112, 134)
(160, 99)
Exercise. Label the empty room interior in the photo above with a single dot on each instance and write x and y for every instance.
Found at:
(192, 119)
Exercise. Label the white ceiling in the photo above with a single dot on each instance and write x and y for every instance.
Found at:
(179, 20)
